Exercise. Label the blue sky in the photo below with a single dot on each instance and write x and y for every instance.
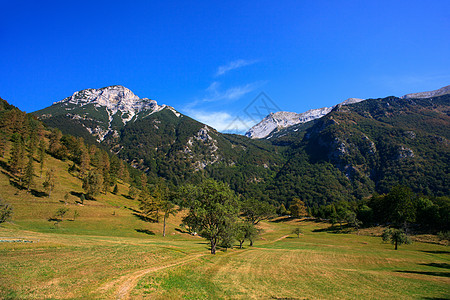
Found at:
(210, 60)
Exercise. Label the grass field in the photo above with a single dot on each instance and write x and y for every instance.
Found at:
(107, 252)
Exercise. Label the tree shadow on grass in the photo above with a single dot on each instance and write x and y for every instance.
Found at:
(441, 274)
(37, 193)
(126, 196)
(15, 184)
(436, 251)
(145, 218)
(438, 265)
(335, 229)
(146, 231)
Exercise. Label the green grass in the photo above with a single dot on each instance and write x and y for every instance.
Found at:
(106, 245)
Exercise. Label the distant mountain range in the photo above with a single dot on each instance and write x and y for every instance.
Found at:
(282, 119)
(347, 151)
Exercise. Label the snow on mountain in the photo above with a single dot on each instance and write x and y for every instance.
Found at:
(283, 119)
(115, 99)
(442, 91)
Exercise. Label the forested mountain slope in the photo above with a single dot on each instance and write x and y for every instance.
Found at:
(354, 150)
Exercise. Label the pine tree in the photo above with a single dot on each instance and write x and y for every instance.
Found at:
(29, 173)
(116, 190)
(16, 161)
(41, 153)
(92, 184)
(85, 161)
(3, 144)
(55, 142)
(50, 181)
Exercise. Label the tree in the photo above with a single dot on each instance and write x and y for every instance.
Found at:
(50, 181)
(5, 211)
(41, 155)
(16, 161)
(133, 192)
(66, 198)
(297, 208)
(213, 208)
(148, 204)
(255, 211)
(61, 212)
(3, 144)
(396, 236)
(75, 214)
(115, 190)
(297, 231)
(351, 219)
(85, 160)
(167, 208)
(245, 231)
(403, 208)
(82, 198)
(29, 173)
(92, 184)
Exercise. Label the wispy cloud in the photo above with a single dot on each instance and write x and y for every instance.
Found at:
(214, 93)
(234, 65)
(221, 121)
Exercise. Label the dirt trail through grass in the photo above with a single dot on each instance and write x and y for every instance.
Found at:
(129, 281)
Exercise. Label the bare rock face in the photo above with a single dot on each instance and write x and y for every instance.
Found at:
(111, 105)
(284, 119)
(114, 98)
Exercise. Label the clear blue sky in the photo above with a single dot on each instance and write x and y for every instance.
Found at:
(211, 60)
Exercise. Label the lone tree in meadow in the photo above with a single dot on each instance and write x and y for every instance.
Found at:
(396, 236)
(213, 209)
(297, 231)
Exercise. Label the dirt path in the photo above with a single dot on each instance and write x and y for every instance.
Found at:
(279, 239)
(129, 281)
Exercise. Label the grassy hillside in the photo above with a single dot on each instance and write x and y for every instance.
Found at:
(109, 252)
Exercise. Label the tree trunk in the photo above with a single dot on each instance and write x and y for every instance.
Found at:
(164, 226)
(395, 244)
(240, 244)
(213, 246)
(251, 243)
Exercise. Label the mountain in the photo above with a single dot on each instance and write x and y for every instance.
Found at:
(103, 111)
(346, 152)
(367, 147)
(152, 137)
(283, 119)
(440, 92)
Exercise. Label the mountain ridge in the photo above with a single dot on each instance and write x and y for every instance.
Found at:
(274, 122)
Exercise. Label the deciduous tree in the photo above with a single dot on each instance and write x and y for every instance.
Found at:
(213, 207)
(255, 211)
(396, 236)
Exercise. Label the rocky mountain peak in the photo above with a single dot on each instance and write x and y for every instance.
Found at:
(440, 92)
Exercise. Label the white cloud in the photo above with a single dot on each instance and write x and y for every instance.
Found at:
(234, 65)
(215, 94)
(221, 121)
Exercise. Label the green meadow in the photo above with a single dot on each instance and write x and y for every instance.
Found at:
(106, 251)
